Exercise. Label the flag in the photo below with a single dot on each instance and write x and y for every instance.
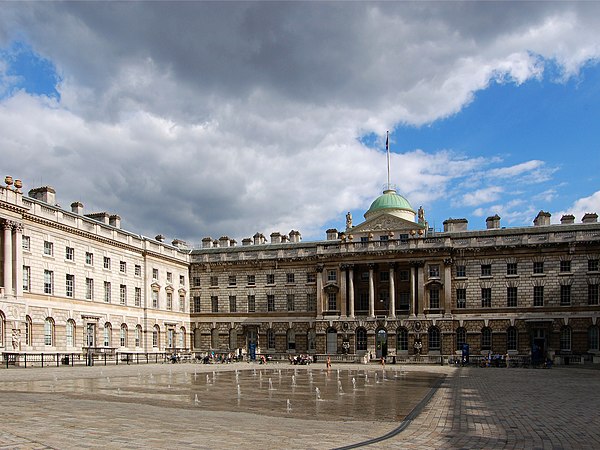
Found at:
(387, 142)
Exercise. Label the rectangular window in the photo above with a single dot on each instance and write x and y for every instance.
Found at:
(26, 278)
(434, 298)
(169, 277)
(69, 253)
(214, 281)
(486, 297)
(155, 274)
(196, 281)
(137, 337)
(197, 303)
(123, 294)
(214, 301)
(270, 303)
(251, 279)
(511, 269)
(89, 258)
(332, 275)
(169, 301)
(155, 299)
(270, 278)
(404, 301)
(461, 298)
(122, 267)
(107, 262)
(107, 291)
(89, 289)
(69, 285)
(384, 276)
(48, 281)
(593, 265)
(232, 280)
(434, 271)
(181, 303)
(332, 301)
(538, 296)
(565, 294)
(511, 297)
(232, 303)
(251, 303)
(404, 275)
(182, 280)
(486, 270)
(538, 267)
(384, 238)
(25, 243)
(290, 278)
(592, 294)
(311, 301)
(311, 277)
(137, 270)
(138, 296)
(290, 302)
(364, 276)
(48, 248)
(461, 271)
(565, 266)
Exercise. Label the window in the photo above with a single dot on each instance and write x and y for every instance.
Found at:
(538, 296)
(486, 270)
(232, 303)
(361, 339)
(155, 332)
(181, 302)
(461, 271)
(107, 294)
(511, 339)
(122, 267)
(486, 297)
(154, 299)
(89, 289)
(311, 339)
(251, 303)
(270, 278)
(70, 333)
(214, 338)
(214, 281)
(89, 258)
(197, 303)
(106, 262)
(565, 294)
(461, 338)
(461, 298)
(511, 297)
(565, 266)
(486, 338)
(434, 338)
(49, 332)
(182, 337)
(403, 275)
(169, 277)
(363, 301)
(270, 303)
(182, 280)
(138, 296)
(48, 248)
(311, 301)
(290, 302)
(434, 271)
(384, 238)
(538, 267)
(593, 338)
(384, 276)
(26, 278)
(592, 294)
(123, 294)
(291, 339)
(270, 338)
(364, 276)
(25, 243)
(331, 301)
(69, 253)
(137, 270)
(48, 281)
(511, 269)
(332, 275)
(169, 301)
(123, 336)
(289, 278)
(403, 301)
(28, 330)
(402, 339)
(196, 281)
(69, 285)
(138, 335)
(155, 274)
(232, 280)
(311, 277)
(434, 298)
(214, 301)
(593, 265)
(565, 339)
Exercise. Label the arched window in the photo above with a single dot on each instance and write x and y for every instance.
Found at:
(332, 341)
(214, 338)
(233, 335)
(28, 330)
(434, 338)
(311, 338)
(70, 333)
(270, 338)
(182, 337)
(107, 334)
(565, 339)
(593, 338)
(138, 336)
(361, 339)
(48, 331)
(291, 339)
(2, 328)
(461, 338)
(156, 336)
(512, 336)
(197, 338)
(486, 338)
(123, 335)
(402, 339)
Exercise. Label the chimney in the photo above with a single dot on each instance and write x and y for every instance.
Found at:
(275, 237)
(100, 217)
(46, 194)
(77, 208)
(259, 238)
(224, 241)
(159, 238)
(114, 220)
(542, 219)
(493, 222)
(232, 242)
(207, 242)
(567, 219)
(246, 241)
(294, 236)
(181, 245)
(454, 225)
(332, 234)
(589, 218)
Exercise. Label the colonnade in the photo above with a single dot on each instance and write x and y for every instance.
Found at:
(12, 233)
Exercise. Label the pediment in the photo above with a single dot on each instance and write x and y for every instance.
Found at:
(385, 222)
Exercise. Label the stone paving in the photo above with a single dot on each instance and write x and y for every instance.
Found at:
(472, 408)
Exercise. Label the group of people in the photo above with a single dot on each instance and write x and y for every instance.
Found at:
(300, 359)
(220, 358)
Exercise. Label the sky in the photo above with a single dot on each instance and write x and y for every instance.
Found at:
(195, 119)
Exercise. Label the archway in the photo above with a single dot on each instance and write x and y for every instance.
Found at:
(381, 343)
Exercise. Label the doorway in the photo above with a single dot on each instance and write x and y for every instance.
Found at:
(381, 343)
(331, 341)
(538, 345)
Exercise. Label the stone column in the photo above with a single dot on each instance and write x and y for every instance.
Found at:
(447, 285)
(8, 271)
(392, 291)
(413, 290)
(421, 287)
(371, 291)
(351, 290)
(343, 290)
(319, 290)
(18, 259)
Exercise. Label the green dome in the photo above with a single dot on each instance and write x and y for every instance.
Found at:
(390, 200)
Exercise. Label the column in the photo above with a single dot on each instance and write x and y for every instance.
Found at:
(343, 290)
(413, 290)
(371, 291)
(8, 273)
(392, 291)
(319, 290)
(18, 259)
(351, 290)
(447, 285)
(421, 287)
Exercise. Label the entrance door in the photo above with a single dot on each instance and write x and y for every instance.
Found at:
(381, 343)
(91, 335)
(331, 341)
(538, 345)
(251, 342)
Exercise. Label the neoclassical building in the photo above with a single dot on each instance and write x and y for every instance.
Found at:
(388, 285)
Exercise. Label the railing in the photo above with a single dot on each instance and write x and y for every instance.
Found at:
(80, 359)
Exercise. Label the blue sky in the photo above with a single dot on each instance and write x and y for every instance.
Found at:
(206, 119)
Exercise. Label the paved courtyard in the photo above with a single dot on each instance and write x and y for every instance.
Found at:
(81, 407)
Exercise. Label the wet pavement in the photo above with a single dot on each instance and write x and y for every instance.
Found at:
(278, 406)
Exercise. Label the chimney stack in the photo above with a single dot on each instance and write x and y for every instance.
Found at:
(46, 194)
(542, 219)
(567, 219)
(493, 222)
(77, 208)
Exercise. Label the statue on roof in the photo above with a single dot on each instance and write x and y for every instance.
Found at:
(348, 220)
(421, 215)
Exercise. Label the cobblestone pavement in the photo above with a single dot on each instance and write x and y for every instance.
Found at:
(472, 408)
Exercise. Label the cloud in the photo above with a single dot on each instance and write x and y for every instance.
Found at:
(580, 207)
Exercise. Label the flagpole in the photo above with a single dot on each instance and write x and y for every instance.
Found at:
(387, 149)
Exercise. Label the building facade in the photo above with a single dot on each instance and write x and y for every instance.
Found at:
(388, 286)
